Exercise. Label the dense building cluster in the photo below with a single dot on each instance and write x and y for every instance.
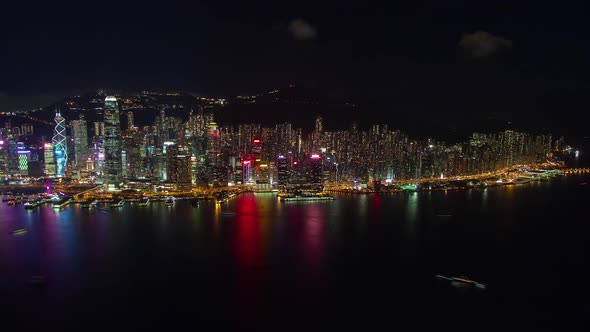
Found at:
(181, 153)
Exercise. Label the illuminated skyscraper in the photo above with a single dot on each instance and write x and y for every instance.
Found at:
(214, 144)
(80, 135)
(60, 144)
(179, 167)
(3, 150)
(283, 171)
(49, 154)
(130, 124)
(112, 141)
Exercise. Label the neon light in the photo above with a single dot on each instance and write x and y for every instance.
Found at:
(256, 141)
(246, 162)
(294, 163)
(315, 156)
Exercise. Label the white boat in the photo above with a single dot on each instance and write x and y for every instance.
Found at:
(119, 203)
(144, 202)
(169, 201)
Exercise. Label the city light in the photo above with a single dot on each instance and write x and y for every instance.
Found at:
(315, 156)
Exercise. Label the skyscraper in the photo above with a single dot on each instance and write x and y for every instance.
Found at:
(112, 142)
(179, 167)
(3, 164)
(130, 123)
(60, 144)
(80, 134)
(49, 154)
(214, 140)
(283, 171)
(11, 155)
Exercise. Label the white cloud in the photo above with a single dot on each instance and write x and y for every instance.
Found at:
(482, 43)
(302, 30)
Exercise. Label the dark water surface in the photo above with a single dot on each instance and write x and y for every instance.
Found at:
(364, 262)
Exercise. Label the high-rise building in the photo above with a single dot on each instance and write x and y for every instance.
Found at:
(112, 142)
(12, 155)
(3, 164)
(283, 170)
(130, 123)
(179, 167)
(80, 135)
(214, 144)
(24, 157)
(60, 144)
(315, 171)
(49, 155)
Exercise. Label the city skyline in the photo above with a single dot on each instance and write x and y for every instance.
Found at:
(426, 61)
(196, 151)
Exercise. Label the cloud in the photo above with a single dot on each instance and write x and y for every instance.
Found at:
(302, 30)
(482, 44)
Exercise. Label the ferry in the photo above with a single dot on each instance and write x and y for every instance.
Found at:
(305, 198)
(19, 232)
(118, 203)
(32, 204)
(522, 180)
(169, 201)
(89, 203)
(145, 201)
(61, 203)
(462, 282)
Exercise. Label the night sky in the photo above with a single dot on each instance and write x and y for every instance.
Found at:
(449, 61)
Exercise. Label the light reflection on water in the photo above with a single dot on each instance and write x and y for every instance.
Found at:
(254, 241)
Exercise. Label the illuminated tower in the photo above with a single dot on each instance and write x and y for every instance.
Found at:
(130, 123)
(3, 164)
(49, 154)
(59, 144)
(80, 135)
(283, 171)
(214, 138)
(112, 141)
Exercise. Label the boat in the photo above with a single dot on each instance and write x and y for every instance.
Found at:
(462, 282)
(304, 198)
(145, 201)
(195, 202)
(169, 201)
(523, 180)
(89, 203)
(19, 232)
(32, 204)
(118, 203)
(62, 202)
